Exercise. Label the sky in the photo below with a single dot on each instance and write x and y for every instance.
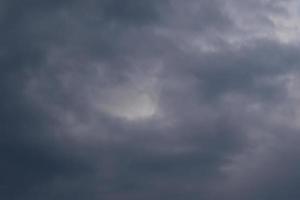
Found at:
(149, 99)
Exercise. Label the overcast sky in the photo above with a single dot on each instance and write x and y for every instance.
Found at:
(149, 100)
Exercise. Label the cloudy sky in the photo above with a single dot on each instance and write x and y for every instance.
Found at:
(149, 99)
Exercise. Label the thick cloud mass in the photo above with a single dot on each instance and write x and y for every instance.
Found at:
(149, 99)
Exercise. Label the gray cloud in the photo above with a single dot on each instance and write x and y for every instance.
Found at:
(149, 99)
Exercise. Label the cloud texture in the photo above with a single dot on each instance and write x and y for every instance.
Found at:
(160, 99)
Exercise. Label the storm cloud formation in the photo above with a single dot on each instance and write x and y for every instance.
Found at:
(149, 99)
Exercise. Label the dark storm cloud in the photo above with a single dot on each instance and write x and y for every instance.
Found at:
(31, 160)
(142, 99)
(243, 70)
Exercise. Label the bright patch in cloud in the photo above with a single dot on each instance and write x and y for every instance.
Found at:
(129, 104)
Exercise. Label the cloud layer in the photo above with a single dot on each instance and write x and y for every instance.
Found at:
(138, 99)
